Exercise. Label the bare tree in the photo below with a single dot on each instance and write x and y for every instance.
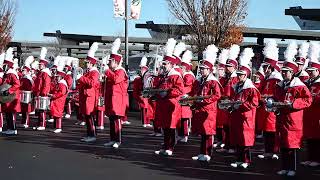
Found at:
(7, 16)
(218, 22)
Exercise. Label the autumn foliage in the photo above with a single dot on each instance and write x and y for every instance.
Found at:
(218, 22)
(7, 12)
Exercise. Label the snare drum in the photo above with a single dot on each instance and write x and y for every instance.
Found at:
(42, 103)
(26, 97)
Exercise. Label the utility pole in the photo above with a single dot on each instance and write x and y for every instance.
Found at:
(126, 37)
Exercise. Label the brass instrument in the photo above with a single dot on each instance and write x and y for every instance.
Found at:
(149, 92)
(273, 106)
(8, 98)
(226, 104)
(189, 101)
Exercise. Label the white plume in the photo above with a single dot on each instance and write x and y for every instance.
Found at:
(94, 47)
(9, 54)
(234, 52)
(105, 60)
(303, 50)
(187, 57)
(223, 56)
(116, 46)
(57, 60)
(180, 47)
(61, 63)
(261, 70)
(171, 43)
(35, 65)
(28, 61)
(69, 61)
(271, 50)
(143, 61)
(15, 63)
(246, 56)
(210, 54)
(291, 51)
(2, 58)
(314, 51)
(43, 53)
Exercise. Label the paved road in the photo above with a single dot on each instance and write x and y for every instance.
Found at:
(45, 155)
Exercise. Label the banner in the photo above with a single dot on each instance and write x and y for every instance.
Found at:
(135, 9)
(119, 8)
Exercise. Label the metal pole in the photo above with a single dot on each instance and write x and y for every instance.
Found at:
(126, 36)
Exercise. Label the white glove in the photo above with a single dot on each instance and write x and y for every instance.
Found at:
(184, 96)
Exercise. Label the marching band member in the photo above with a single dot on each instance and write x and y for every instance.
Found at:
(86, 85)
(227, 82)
(265, 118)
(168, 109)
(138, 85)
(188, 79)
(42, 86)
(295, 97)
(11, 78)
(204, 117)
(242, 124)
(58, 96)
(179, 48)
(27, 84)
(101, 94)
(69, 79)
(118, 96)
(54, 82)
(311, 123)
(221, 114)
(2, 56)
(302, 63)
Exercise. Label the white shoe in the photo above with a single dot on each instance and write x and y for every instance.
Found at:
(100, 127)
(11, 132)
(244, 165)
(305, 163)
(67, 116)
(41, 128)
(195, 158)
(116, 145)
(82, 123)
(0, 129)
(50, 120)
(149, 125)
(57, 130)
(314, 164)
(259, 136)
(126, 123)
(184, 139)
(264, 155)
(231, 151)
(157, 134)
(26, 126)
(5, 132)
(111, 143)
(205, 158)
(168, 153)
(275, 157)
(235, 164)
(89, 139)
(161, 151)
(291, 173)
(32, 113)
(282, 172)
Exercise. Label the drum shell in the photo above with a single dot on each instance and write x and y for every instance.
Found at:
(42, 103)
(26, 97)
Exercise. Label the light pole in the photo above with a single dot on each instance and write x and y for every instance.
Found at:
(126, 49)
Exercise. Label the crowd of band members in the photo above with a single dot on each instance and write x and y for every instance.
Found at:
(230, 78)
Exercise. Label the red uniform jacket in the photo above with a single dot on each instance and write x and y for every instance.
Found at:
(58, 99)
(205, 113)
(188, 79)
(311, 120)
(117, 96)
(26, 85)
(87, 91)
(266, 121)
(303, 76)
(137, 90)
(242, 125)
(289, 120)
(227, 82)
(168, 109)
(11, 77)
(68, 79)
(42, 83)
